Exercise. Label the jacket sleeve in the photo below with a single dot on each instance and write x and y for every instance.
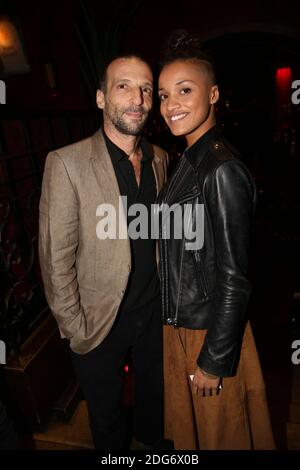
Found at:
(58, 241)
(230, 197)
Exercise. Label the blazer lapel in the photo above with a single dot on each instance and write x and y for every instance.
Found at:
(107, 180)
(103, 169)
(158, 172)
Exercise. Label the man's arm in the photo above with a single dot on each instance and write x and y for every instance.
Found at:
(230, 198)
(58, 241)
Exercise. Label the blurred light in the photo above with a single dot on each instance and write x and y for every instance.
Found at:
(283, 89)
(284, 74)
(8, 38)
(126, 368)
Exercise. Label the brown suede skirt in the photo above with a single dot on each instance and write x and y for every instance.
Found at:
(236, 418)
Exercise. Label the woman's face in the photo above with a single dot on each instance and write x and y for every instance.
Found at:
(186, 97)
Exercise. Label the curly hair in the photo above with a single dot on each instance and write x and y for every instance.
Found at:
(183, 46)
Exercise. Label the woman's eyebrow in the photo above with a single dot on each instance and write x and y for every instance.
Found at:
(180, 82)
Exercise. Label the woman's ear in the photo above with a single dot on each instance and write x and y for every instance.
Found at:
(214, 94)
(100, 99)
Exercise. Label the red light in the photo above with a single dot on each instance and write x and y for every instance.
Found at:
(284, 74)
(283, 86)
(126, 368)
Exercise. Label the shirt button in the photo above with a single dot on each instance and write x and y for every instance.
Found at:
(122, 291)
(217, 146)
(129, 267)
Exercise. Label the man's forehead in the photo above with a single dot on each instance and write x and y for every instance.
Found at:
(129, 68)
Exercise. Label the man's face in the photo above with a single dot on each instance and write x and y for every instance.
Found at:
(127, 98)
(187, 97)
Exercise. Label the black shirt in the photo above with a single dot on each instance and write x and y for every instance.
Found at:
(143, 283)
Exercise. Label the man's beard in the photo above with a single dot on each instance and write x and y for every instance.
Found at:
(116, 117)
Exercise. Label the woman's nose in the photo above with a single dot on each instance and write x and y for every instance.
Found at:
(172, 103)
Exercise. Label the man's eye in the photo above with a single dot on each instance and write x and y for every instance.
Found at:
(185, 91)
(162, 97)
(121, 86)
(148, 91)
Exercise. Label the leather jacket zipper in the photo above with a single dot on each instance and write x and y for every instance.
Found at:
(179, 285)
(163, 264)
(164, 255)
(199, 270)
(172, 186)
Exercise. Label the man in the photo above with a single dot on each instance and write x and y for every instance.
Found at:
(104, 292)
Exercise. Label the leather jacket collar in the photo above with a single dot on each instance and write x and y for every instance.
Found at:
(198, 150)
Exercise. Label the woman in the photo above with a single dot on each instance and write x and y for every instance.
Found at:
(214, 389)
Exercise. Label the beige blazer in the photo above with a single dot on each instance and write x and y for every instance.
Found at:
(85, 278)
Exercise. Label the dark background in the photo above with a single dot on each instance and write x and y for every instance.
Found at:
(66, 44)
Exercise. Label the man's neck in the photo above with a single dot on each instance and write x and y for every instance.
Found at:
(128, 143)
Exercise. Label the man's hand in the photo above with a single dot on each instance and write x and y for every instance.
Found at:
(204, 385)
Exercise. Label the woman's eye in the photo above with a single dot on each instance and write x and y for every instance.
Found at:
(185, 91)
(162, 97)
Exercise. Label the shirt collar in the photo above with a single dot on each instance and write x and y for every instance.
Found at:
(118, 154)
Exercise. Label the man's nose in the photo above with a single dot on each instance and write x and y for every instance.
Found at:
(137, 96)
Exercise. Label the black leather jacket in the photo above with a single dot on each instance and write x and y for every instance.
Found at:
(207, 288)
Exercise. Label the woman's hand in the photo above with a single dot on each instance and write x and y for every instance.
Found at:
(205, 384)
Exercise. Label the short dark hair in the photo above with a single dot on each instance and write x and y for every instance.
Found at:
(129, 55)
(183, 46)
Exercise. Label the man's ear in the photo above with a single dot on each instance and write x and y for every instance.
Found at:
(100, 99)
(214, 94)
